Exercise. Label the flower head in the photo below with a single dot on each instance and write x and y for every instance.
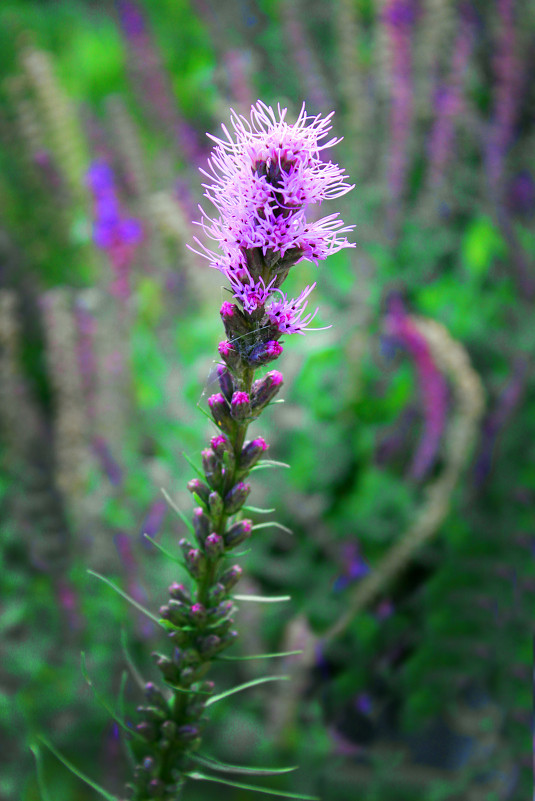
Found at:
(287, 315)
(264, 177)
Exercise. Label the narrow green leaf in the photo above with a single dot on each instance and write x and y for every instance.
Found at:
(130, 662)
(215, 764)
(199, 500)
(102, 701)
(268, 463)
(274, 524)
(193, 465)
(34, 748)
(78, 773)
(182, 516)
(122, 711)
(245, 686)
(257, 510)
(165, 552)
(269, 790)
(262, 598)
(259, 656)
(125, 596)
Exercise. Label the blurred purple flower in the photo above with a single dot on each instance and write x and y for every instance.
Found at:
(113, 232)
(433, 387)
(107, 461)
(449, 102)
(154, 519)
(508, 81)
(354, 567)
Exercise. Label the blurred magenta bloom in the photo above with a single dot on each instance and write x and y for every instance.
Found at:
(118, 235)
(433, 387)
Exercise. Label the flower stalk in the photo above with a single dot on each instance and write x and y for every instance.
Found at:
(265, 178)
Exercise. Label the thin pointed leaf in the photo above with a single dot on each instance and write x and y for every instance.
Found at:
(78, 773)
(182, 516)
(275, 525)
(268, 463)
(257, 510)
(130, 662)
(34, 748)
(239, 785)
(215, 698)
(125, 596)
(188, 690)
(102, 701)
(122, 711)
(259, 656)
(263, 598)
(193, 465)
(199, 500)
(207, 414)
(165, 552)
(215, 764)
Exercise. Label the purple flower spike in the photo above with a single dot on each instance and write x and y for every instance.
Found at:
(263, 181)
(287, 315)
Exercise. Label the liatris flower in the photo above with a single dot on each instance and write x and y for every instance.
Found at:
(264, 181)
(398, 17)
(508, 82)
(433, 385)
(449, 100)
(118, 235)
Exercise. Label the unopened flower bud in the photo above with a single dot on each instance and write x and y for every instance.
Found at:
(175, 611)
(231, 577)
(197, 614)
(154, 695)
(147, 730)
(216, 592)
(215, 504)
(148, 764)
(151, 713)
(265, 352)
(226, 384)
(236, 497)
(220, 411)
(179, 592)
(252, 452)
(187, 733)
(265, 389)
(240, 406)
(220, 445)
(198, 487)
(238, 533)
(166, 667)
(201, 525)
(214, 546)
(168, 729)
(234, 320)
(229, 354)
(212, 467)
(196, 563)
(209, 645)
(221, 611)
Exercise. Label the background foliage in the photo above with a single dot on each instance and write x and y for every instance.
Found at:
(422, 688)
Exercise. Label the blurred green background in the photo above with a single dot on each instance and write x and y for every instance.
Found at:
(409, 425)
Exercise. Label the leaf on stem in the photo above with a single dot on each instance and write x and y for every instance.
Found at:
(182, 516)
(260, 656)
(274, 524)
(257, 510)
(102, 701)
(239, 785)
(77, 772)
(215, 764)
(193, 465)
(130, 662)
(126, 597)
(268, 463)
(165, 552)
(34, 748)
(263, 598)
(215, 698)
